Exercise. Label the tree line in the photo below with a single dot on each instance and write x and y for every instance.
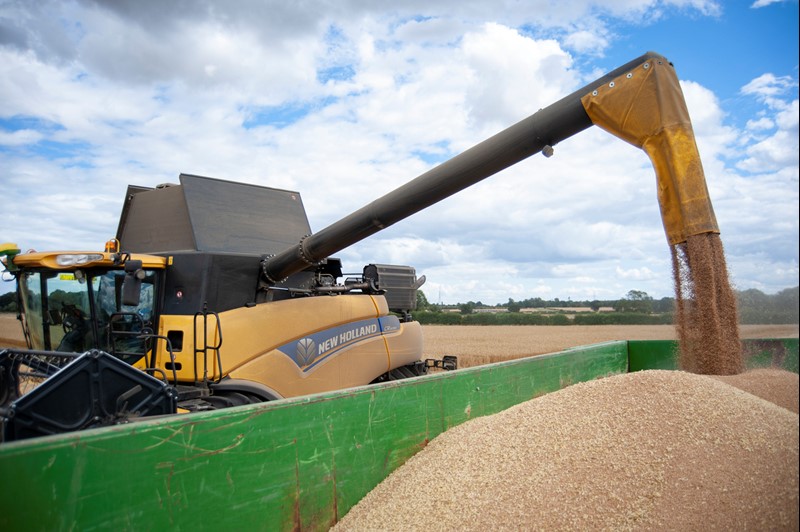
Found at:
(636, 308)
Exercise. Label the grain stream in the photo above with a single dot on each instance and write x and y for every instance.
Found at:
(706, 317)
(651, 450)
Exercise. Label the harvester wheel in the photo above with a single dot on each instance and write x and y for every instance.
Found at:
(229, 399)
(406, 372)
(403, 372)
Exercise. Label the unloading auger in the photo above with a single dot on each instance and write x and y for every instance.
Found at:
(640, 102)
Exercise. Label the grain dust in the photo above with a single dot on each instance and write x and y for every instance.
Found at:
(651, 450)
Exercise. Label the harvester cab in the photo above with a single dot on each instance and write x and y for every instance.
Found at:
(191, 270)
(73, 302)
(142, 325)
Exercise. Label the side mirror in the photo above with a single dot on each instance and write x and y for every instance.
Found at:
(132, 285)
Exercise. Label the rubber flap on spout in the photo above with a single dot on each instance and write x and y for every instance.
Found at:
(646, 108)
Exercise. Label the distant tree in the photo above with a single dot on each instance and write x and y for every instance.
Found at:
(638, 295)
(788, 300)
(467, 308)
(595, 305)
(531, 302)
(422, 301)
(8, 302)
(664, 305)
(753, 299)
(513, 306)
(635, 301)
(757, 307)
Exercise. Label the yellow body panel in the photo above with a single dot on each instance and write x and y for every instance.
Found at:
(646, 108)
(405, 348)
(259, 343)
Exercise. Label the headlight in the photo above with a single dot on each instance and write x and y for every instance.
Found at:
(76, 259)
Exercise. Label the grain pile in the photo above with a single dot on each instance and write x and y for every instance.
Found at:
(775, 385)
(706, 318)
(648, 450)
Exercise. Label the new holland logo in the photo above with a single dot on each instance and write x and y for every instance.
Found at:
(306, 351)
(310, 351)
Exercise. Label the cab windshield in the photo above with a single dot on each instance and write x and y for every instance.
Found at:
(80, 310)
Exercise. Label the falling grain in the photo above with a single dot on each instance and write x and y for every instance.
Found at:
(706, 318)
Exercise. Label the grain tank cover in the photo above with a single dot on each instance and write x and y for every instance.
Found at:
(205, 214)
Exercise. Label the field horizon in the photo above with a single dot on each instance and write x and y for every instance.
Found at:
(483, 344)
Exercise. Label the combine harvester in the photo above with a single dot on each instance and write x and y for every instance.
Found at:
(198, 374)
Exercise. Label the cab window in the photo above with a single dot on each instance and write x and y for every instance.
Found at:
(121, 325)
(59, 308)
(57, 311)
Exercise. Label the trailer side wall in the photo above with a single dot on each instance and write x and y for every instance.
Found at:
(296, 464)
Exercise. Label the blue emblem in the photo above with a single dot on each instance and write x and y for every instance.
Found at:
(306, 351)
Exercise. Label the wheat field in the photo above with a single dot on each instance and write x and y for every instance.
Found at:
(476, 345)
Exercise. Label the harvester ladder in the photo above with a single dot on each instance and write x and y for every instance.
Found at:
(201, 345)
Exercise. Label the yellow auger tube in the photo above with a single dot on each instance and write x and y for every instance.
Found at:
(646, 108)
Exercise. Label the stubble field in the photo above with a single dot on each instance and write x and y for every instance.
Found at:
(475, 345)
(10, 331)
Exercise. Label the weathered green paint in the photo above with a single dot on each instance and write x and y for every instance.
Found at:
(289, 465)
(294, 464)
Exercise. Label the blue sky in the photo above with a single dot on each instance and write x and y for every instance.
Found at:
(345, 102)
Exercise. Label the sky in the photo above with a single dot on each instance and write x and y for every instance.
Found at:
(345, 101)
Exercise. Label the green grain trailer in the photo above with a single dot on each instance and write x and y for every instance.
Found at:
(293, 464)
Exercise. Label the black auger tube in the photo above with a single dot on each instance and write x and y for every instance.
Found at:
(546, 127)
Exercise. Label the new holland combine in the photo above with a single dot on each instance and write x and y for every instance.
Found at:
(216, 294)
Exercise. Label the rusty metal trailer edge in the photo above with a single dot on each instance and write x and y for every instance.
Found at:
(297, 464)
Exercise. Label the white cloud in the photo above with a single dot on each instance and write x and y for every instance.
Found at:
(636, 274)
(714, 138)
(761, 123)
(764, 3)
(787, 117)
(505, 65)
(586, 42)
(20, 137)
(778, 149)
(768, 87)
